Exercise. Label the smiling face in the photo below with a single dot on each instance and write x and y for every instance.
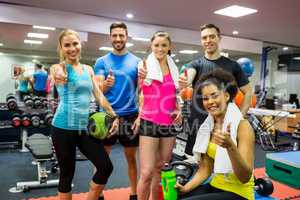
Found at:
(70, 48)
(160, 46)
(210, 40)
(118, 38)
(214, 100)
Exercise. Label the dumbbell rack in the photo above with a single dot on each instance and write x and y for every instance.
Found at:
(39, 111)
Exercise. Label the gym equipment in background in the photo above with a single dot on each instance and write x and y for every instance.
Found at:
(28, 101)
(40, 147)
(11, 102)
(16, 120)
(37, 102)
(263, 186)
(25, 119)
(246, 65)
(35, 119)
(239, 98)
(48, 118)
(284, 167)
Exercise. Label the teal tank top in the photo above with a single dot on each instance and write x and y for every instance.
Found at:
(75, 96)
(23, 86)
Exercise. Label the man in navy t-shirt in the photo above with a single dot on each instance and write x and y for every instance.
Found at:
(39, 81)
(117, 73)
(212, 59)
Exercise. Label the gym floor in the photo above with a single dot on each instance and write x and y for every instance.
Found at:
(16, 166)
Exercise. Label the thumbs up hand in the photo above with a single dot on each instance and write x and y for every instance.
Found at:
(110, 80)
(183, 81)
(223, 139)
(142, 71)
(59, 74)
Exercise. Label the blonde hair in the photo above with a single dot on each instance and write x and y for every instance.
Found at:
(62, 34)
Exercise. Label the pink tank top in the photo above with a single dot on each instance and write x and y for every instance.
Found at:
(159, 101)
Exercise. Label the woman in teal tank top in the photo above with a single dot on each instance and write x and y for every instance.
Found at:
(23, 89)
(217, 90)
(75, 84)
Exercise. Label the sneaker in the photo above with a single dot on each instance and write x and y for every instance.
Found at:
(133, 197)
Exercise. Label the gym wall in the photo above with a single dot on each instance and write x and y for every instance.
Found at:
(7, 84)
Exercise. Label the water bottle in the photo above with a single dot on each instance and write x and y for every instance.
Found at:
(168, 181)
(296, 146)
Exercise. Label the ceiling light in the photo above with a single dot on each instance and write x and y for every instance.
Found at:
(177, 60)
(35, 61)
(37, 35)
(225, 54)
(141, 39)
(33, 41)
(106, 49)
(129, 15)
(173, 55)
(235, 11)
(1, 53)
(188, 51)
(141, 52)
(296, 58)
(1, 44)
(285, 48)
(128, 44)
(44, 27)
(235, 32)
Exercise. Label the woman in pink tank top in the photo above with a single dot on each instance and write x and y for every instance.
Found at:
(158, 114)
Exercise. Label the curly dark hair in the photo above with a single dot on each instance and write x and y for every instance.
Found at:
(220, 78)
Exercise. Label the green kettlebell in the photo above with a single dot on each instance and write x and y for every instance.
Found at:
(99, 125)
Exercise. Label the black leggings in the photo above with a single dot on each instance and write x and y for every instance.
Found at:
(65, 143)
(204, 192)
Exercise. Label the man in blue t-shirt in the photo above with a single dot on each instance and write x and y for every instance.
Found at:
(39, 81)
(117, 73)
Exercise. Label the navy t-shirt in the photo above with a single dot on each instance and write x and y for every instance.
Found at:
(203, 65)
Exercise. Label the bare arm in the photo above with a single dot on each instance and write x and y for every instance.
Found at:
(203, 172)
(100, 80)
(242, 155)
(99, 95)
(185, 82)
(191, 72)
(247, 91)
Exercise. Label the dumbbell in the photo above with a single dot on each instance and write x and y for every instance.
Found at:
(184, 171)
(25, 119)
(35, 119)
(16, 120)
(45, 102)
(37, 102)
(11, 102)
(28, 101)
(48, 118)
(263, 186)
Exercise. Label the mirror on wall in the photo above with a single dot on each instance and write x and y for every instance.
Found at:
(25, 45)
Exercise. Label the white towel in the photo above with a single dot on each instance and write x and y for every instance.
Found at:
(154, 71)
(222, 163)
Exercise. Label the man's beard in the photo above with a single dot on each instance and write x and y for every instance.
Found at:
(120, 48)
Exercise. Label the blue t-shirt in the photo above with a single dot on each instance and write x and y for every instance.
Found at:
(40, 80)
(75, 96)
(122, 95)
